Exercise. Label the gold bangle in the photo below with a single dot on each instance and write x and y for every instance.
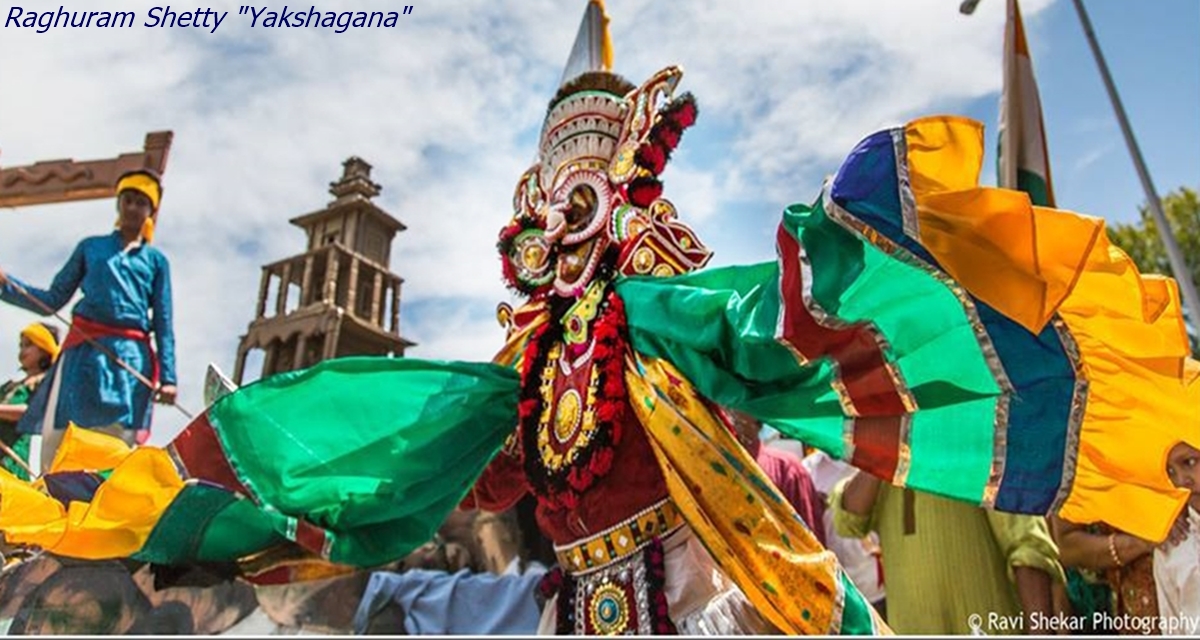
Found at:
(1112, 549)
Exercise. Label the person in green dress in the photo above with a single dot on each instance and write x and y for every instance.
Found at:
(38, 350)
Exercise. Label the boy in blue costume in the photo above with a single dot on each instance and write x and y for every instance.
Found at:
(126, 285)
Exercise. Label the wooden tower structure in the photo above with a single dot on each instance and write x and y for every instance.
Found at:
(339, 297)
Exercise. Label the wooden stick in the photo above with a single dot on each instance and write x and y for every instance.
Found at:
(16, 458)
(99, 347)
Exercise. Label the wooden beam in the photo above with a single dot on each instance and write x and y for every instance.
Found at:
(52, 181)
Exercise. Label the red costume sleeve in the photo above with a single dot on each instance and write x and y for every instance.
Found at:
(500, 487)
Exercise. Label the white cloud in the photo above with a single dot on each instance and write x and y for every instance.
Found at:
(446, 107)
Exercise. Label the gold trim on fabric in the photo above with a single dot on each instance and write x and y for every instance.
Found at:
(621, 540)
(800, 357)
(839, 387)
(1079, 401)
(885, 347)
(904, 454)
(778, 563)
(819, 314)
(908, 201)
(830, 321)
(999, 449)
(838, 606)
(823, 318)
(848, 426)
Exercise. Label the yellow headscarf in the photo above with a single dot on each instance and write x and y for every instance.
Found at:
(148, 185)
(41, 337)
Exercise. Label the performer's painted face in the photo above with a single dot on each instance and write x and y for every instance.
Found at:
(582, 240)
(581, 207)
(134, 209)
(594, 195)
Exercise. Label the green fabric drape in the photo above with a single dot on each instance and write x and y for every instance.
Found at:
(375, 451)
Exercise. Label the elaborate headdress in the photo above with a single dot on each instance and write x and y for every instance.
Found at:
(593, 194)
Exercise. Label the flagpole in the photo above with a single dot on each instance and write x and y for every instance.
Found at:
(1174, 255)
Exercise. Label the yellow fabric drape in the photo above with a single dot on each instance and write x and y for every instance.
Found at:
(29, 516)
(1020, 259)
(117, 521)
(752, 532)
(1031, 263)
(87, 450)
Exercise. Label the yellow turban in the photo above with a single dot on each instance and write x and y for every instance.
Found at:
(142, 183)
(41, 337)
(145, 184)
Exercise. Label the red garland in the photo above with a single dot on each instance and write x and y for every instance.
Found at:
(561, 490)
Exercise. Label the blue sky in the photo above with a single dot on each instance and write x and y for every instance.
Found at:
(1153, 52)
(447, 107)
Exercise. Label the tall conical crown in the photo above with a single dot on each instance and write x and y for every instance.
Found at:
(593, 49)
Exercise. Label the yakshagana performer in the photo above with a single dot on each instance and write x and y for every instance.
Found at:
(589, 213)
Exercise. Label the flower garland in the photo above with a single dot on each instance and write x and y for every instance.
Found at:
(560, 489)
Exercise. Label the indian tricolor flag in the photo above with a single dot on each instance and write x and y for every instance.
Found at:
(1024, 163)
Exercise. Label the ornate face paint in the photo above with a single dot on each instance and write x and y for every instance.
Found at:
(594, 194)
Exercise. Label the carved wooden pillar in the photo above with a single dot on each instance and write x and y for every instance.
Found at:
(331, 276)
(352, 286)
(332, 335)
(395, 319)
(263, 287)
(298, 358)
(284, 283)
(239, 364)
(270, 358)
(376, 298)
(306, 282)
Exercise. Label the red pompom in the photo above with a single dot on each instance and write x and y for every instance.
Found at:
(685, 115)
(643, 192)
(666, 136)
(652, 158)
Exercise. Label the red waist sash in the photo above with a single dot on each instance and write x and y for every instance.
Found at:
(82, 328)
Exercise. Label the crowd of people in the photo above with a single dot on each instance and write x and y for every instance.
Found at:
(945, 560)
